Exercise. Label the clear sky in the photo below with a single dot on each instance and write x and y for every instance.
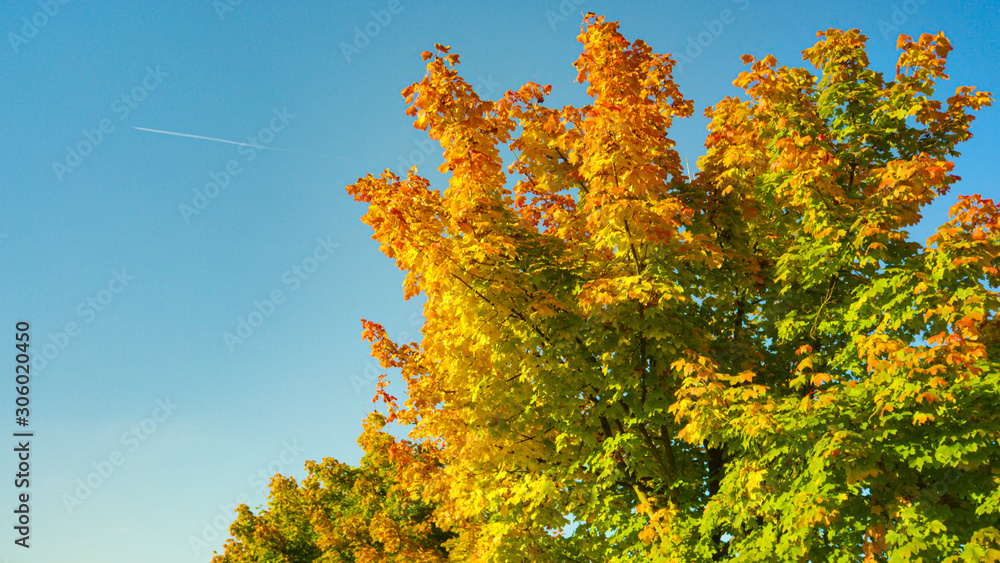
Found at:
(150, 423)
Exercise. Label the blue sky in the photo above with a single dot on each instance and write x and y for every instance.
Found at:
(133, 280)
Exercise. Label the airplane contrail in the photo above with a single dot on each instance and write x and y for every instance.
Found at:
(235, 142)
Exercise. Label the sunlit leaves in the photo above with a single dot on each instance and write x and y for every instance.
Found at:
(754, 363)
(344, 514)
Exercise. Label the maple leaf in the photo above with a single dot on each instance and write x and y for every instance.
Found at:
(667, 360)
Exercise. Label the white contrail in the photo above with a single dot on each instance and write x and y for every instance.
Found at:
(235, 142)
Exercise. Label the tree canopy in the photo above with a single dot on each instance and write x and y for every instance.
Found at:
(341, 514)
(622, 363)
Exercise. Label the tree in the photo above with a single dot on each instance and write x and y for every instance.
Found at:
(341, 514)
(755, 363)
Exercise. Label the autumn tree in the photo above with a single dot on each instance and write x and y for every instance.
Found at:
(754, 364)
(342, 514)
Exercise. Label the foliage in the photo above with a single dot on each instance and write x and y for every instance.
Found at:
(341, 513)
(622, 363)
